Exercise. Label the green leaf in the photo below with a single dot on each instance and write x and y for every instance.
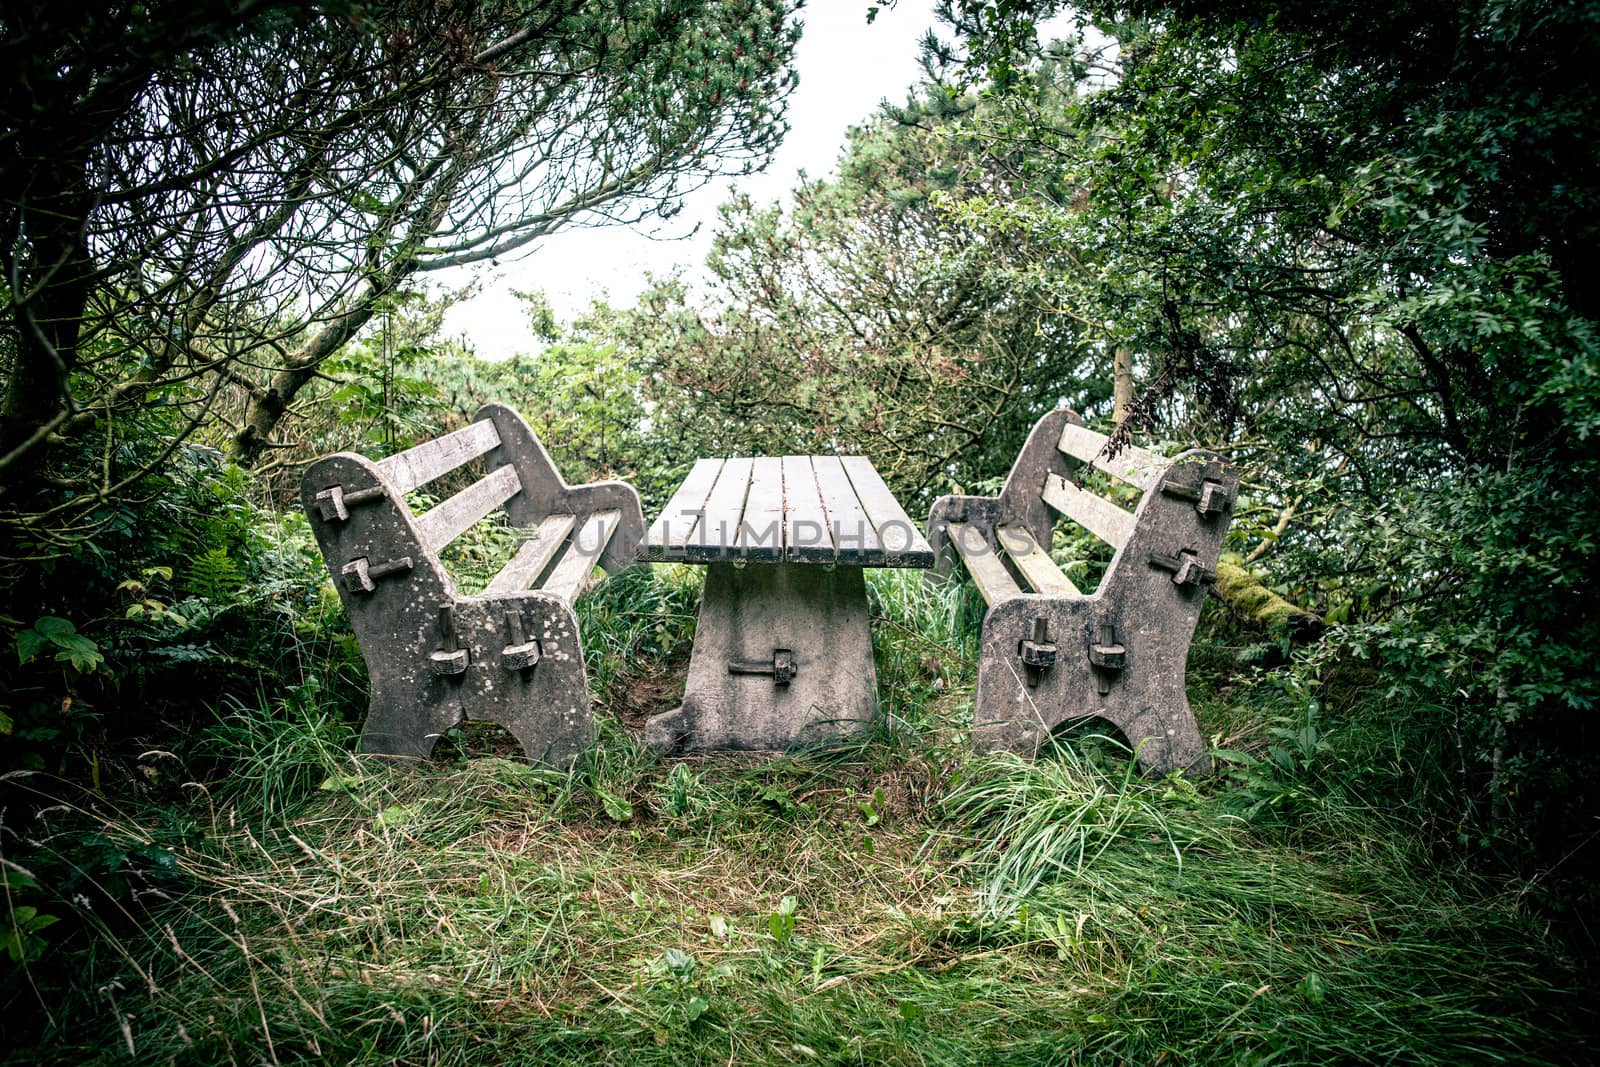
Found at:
(617, 809)
(29, 644)
(396, 815)
(52, 626)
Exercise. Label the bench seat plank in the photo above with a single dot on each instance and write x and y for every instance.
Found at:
(854, 535)
(677, 522)
(901, 539)
(533, 556)
(1035, 564)
(1132, 464)
(988, 573)
(806, 535)
(453, 517)
(422, 464)
(575, 572)
(1100, 517)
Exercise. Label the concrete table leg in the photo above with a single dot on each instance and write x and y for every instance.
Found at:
(749, 613)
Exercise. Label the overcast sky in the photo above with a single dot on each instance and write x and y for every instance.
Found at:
(846, 68)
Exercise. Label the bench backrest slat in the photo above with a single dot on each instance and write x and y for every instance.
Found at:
(1100, 517)
(455, 516)
(433, 459)
(1131, 463)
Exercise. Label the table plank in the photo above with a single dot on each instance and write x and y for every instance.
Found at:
(807, 538)
(826, 509)
(903, 543)
(760, 536)
(855, 538)
(714, 536)
(671, 531)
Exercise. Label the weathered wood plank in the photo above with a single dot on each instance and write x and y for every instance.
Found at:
(1132, 464)
(760, 537)
(807, 538)
(714, 535)
(1034, 562)
(677, 521)
(1100, 517)
(534, 554)
(983, 563)
(453, 517)
(903, 544)
(576, 570)
(422, 464)
(854, 536)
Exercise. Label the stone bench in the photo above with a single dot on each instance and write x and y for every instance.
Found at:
(1051, 653)
(509, 655)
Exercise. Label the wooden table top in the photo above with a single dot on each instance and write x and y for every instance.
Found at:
(794, 509)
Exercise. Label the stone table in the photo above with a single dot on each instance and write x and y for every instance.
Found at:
(782, 652)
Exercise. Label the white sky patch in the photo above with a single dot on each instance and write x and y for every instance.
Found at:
(846, 69)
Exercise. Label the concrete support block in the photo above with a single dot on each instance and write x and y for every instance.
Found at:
(755, 622)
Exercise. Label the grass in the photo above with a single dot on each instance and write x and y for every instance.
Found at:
(897, 900)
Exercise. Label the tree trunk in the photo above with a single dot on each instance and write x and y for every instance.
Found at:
(48, 317)
(1244, 593)
(1121, 384)
(266, 406)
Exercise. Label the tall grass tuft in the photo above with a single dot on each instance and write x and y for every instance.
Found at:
(1050, 818)
(274, 753)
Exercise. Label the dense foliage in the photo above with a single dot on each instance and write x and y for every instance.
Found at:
(1353, 244)
(200, 209)
(1347, 246)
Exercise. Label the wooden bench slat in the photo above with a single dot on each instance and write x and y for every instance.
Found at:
(1100, 517)
(431, 459)
(533, 556)
(717, 532)
(902, 541)
(983, 563)
(678, 520)
(450, 519)
(575, 572)
(1034, 562)
(760, 536)
(1132, 464)
(806, 535)
(853, 532)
